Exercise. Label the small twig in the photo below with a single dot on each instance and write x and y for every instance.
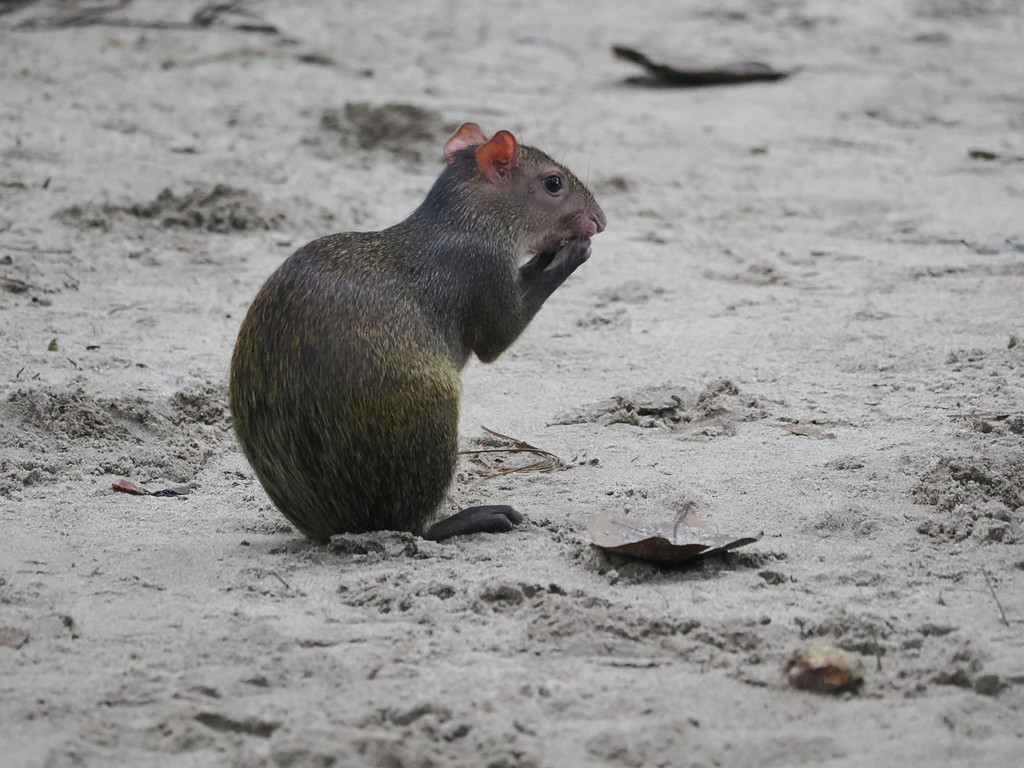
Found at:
(992, 589)
(687, 515)
(245, 52)
(263, 29)
(123, 308)
(505, 450)
(78, 17)
(35, 249)
(92, 12)
(277, 576)
(206, 15)
(878, 650)
(96, 17)
(20, 283)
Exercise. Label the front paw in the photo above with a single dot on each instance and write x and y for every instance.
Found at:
(568, 259)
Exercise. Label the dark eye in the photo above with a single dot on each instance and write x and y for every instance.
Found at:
(553, 184)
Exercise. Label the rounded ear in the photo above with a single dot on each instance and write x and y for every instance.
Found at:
(497, 157)
(468, 135)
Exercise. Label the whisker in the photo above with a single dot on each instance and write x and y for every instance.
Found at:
(543, 144)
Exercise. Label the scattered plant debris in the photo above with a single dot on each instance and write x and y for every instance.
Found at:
(76, 15)
(127, 486)
(548, 461)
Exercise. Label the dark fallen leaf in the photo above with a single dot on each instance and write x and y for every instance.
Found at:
(691, 75)
(12, 637)
(177, 490)
(127, 486)
(674, 541)
(824, 668)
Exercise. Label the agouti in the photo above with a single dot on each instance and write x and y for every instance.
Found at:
(345, 378)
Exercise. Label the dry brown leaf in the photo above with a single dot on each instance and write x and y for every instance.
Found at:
(824, 668)
(127, 486)
(684, 538)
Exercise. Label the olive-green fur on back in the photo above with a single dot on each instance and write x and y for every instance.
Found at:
(337, 394)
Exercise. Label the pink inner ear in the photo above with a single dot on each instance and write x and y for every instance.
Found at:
(468, 135)
(497, 157)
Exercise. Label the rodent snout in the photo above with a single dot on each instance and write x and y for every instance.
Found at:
(592, 221)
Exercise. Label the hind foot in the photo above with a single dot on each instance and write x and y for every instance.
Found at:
(491, 518)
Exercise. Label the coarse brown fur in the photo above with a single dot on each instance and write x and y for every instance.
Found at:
(345, 377)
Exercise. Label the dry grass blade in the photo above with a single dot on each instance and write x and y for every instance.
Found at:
(995, 597)
(548, 461)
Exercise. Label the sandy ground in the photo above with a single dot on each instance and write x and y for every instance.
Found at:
(812, 288)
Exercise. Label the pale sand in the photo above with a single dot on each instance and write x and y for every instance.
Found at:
(821, 250)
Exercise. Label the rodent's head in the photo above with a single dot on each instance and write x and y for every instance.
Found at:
(540, 203)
